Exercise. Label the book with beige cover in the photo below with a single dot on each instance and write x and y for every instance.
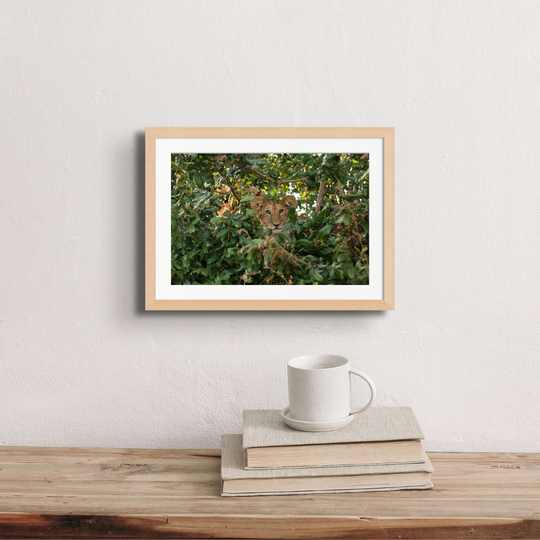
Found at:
(238, 481)
(380, 435)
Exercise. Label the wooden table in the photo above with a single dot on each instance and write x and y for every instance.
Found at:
(114, 493)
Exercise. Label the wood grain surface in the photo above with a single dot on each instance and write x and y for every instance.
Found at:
(127, 493)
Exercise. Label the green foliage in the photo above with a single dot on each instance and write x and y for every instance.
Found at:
(325, 247)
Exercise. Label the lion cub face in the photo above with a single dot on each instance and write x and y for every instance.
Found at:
(273, 214)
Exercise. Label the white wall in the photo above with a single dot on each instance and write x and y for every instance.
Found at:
(81, 363)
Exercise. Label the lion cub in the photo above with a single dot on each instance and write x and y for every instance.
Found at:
(273, 214)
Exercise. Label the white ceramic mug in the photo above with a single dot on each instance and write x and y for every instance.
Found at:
(320, 388)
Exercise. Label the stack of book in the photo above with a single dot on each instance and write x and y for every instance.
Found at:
(380, 450)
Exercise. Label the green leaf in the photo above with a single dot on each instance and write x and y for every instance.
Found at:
(292, 214)
(316, 275)
(353, 196)
(325, 231)
(288, 226)
(283, 237)
(199, 180)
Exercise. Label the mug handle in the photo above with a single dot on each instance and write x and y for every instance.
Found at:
(371, 387)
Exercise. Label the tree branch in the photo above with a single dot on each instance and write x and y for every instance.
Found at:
(319, 197)
(292, 181)
(256, 173)
(232, 190)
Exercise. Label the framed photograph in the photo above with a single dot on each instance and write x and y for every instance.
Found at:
(270, 219)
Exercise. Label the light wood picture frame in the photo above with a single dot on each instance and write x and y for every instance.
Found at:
(163, 145)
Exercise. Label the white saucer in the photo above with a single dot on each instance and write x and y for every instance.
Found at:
(315, 426)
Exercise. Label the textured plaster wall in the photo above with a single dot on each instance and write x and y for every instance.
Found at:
(81, 363)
